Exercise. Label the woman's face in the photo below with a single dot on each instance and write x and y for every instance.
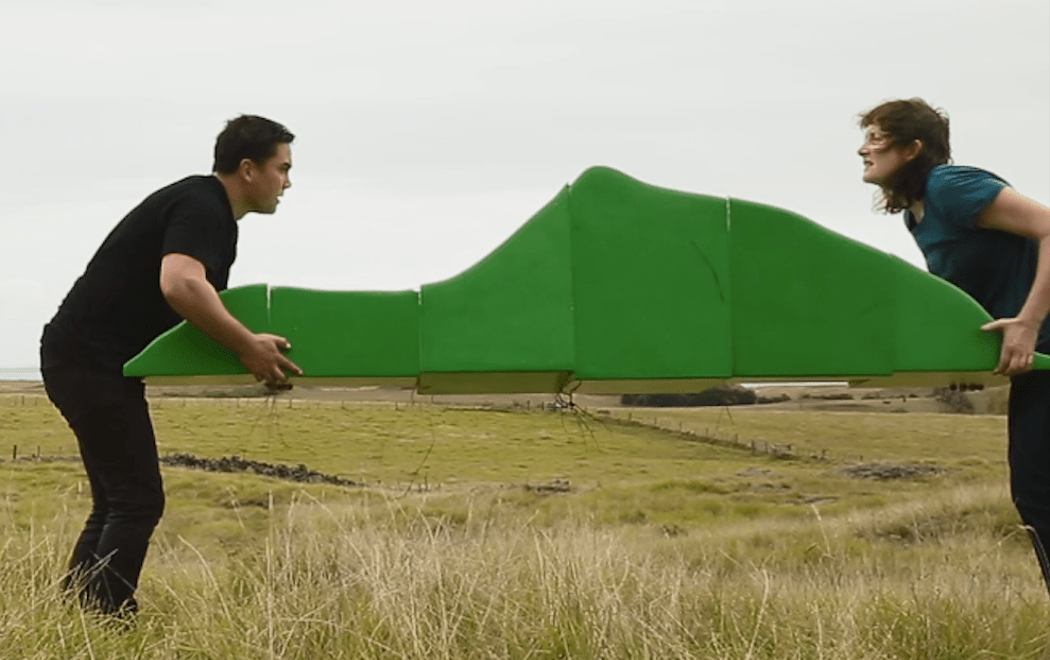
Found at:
(882, 159)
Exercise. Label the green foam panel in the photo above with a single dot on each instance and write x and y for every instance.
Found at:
(620, 286)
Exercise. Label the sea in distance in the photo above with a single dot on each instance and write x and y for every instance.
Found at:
(20, 373)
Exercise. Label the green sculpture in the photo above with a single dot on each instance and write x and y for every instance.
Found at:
(618, 286)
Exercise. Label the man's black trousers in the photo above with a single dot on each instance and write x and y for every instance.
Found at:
(110, 417)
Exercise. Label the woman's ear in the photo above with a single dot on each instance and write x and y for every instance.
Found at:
(913, 149)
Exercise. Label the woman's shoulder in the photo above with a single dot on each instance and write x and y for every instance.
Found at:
(947, 177)
(961, 191)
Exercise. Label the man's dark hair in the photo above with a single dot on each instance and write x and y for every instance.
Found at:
(905, 121)
(248, 136)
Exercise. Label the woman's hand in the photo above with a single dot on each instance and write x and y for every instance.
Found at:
(1019, 339)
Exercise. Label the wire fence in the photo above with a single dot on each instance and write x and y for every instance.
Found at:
(638, 417)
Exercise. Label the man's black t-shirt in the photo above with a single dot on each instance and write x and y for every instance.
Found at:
(116, 308)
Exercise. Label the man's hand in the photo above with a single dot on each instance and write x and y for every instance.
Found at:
(263, 357)
(184, 284)
(1019, 339)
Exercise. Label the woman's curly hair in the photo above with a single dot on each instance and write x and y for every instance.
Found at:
(905, 121)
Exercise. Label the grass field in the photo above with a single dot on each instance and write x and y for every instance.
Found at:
(480, 533)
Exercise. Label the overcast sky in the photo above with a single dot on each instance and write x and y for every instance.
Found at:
(428, 132)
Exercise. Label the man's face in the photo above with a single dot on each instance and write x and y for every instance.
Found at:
(270, 179)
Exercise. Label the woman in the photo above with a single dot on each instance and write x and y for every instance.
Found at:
(992, 242)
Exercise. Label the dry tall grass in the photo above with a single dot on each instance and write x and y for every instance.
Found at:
(342, 581)
(671, 550)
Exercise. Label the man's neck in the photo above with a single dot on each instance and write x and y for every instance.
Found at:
(233, 193)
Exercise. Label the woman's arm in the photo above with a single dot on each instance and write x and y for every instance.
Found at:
(1012, 212)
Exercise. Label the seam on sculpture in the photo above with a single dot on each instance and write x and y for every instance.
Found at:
(711, 267)
(269, 307)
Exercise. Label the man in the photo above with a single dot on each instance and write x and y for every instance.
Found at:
(165, 261)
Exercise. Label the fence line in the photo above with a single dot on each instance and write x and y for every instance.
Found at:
(632, 417)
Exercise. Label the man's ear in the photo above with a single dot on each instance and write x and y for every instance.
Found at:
(246, 169)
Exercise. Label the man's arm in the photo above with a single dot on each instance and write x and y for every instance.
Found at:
(184, 283)
(1012, 212)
